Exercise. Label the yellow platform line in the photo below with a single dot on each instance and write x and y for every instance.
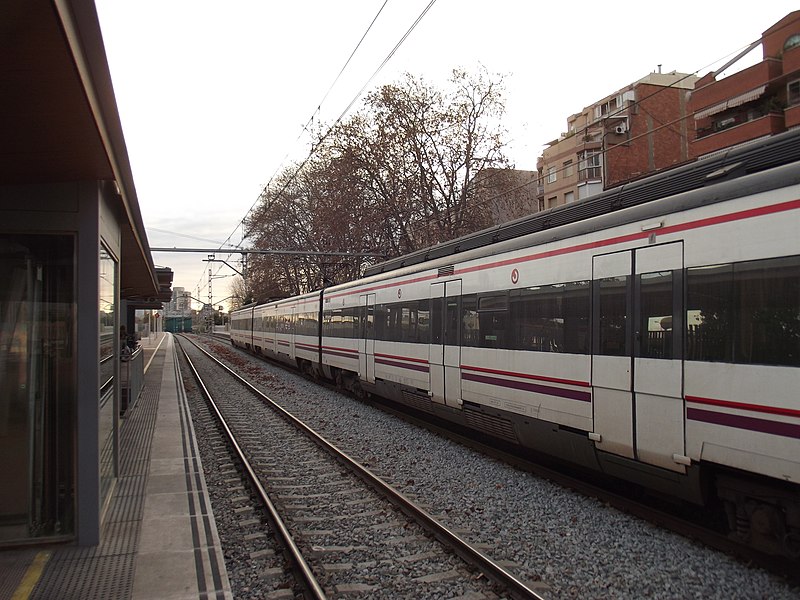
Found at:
(32, 576)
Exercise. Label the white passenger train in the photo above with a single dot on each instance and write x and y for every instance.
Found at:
(651, 333)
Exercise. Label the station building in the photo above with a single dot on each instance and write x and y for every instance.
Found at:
(74, 265)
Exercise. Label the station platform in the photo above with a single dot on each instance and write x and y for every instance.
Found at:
(159, 538)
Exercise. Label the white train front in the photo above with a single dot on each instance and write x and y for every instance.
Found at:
(658, 343)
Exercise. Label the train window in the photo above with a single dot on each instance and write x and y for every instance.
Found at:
(452, 324)
(552, 318)
(341, 323)
(613, 312)
(655, 324)
(470, 326)
(437, 320)
(307, 324)
(407, 321)
(423, 333)
(492, 303)
(493, 326)
(354, 316)
(367, 328)
(381, 312)
(484, 321)
(746, 313)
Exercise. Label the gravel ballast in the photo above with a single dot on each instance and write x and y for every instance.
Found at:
(577, 546)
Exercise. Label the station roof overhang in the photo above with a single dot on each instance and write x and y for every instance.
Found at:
(59, 116)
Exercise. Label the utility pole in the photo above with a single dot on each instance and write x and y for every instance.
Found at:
(210, 315)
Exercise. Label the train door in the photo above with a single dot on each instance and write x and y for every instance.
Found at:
(366, 343)
(444, 359)
(637, 369)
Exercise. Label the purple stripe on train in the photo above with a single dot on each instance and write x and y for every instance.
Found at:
(740, 422)
(411, 366)
(530, 387)
(345, 354)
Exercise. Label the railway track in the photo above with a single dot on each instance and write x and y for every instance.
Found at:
(343, 529)
(687, 523)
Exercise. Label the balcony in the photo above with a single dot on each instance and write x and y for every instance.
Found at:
(791, 116)
(769, 124)
(734, 85)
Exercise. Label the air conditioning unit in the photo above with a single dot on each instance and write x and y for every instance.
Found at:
(620, 129)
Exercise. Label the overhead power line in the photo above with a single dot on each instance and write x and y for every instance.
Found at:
(308, 123)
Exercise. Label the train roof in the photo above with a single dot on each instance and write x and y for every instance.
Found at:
(777, 150)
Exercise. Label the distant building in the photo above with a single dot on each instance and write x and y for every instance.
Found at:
(636, 131)
(181, 303)
(754, 103)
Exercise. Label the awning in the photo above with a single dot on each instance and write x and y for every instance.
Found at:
(746, 97)
(730, 103)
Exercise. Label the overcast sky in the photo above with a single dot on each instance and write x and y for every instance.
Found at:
(213, 96)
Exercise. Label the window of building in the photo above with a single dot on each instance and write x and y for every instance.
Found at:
(793, 92)
(569, 169)
(552, 201)
(569, 197)
(589, 165)
(792, 41)
(551, 175)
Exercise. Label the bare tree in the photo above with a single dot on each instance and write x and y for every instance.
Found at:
(395, 177)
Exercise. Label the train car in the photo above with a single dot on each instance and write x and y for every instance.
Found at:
(653, 339)
(241, 327)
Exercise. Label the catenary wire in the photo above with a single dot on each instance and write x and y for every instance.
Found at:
(492, 198)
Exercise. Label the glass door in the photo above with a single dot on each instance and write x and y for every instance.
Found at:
(37, 386)
(444, 357)
(637, 368)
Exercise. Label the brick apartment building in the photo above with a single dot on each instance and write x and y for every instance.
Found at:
(633, 132)
(754, 103)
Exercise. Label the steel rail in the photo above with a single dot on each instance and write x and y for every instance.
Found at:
(296, 556)
(471, 555)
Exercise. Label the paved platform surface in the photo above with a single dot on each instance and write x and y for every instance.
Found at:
(159, 539)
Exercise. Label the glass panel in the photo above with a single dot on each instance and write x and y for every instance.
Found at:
(493, 303)
(107, 384)
(747, 313)
(423, 321)
(767, 318)
(437, 321)
(655, 327)
(613, 338)
(552, 318)
(470, 326)
(493, 327)
(452, 321)
(37, 386)
(709, 313)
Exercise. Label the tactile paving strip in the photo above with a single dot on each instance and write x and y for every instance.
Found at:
(106, 571)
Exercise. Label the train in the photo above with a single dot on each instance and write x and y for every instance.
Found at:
(649, 333)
